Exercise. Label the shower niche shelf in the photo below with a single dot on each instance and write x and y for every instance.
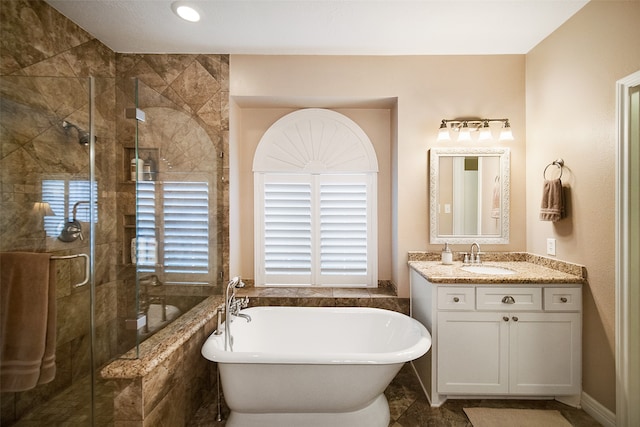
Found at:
(150, 156)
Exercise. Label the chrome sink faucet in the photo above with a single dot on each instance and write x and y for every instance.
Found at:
(474, 258)
(232, 307)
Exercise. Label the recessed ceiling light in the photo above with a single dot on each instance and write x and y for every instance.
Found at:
(186, 12)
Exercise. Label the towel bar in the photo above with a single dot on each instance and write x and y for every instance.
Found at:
(87, 270)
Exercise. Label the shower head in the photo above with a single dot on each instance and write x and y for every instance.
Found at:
(83, 135)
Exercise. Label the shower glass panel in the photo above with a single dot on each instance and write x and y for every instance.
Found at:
(50, 203)
(174, 168)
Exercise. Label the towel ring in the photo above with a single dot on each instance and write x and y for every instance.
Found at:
(559, 163)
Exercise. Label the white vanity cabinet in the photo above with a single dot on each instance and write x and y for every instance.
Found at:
(499, 340)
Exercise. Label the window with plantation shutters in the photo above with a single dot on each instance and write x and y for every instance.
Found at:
(315, 199)
(186, 227)
(178, 238)
(62, 195)
(317, 230)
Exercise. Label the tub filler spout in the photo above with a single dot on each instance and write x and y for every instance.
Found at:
(232, 308)
(244, 316)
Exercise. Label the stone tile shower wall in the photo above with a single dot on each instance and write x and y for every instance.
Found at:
(185, 101)
(45, 60)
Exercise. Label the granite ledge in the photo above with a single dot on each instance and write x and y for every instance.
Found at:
(158, 348)
(529, 268)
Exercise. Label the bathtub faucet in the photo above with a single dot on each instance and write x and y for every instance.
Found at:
(232, 308)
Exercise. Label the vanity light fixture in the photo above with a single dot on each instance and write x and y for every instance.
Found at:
(185, 11)
(464, 127)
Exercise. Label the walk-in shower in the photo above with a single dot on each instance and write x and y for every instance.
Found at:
(36, 172)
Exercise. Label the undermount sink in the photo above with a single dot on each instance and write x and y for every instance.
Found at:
(487, 269)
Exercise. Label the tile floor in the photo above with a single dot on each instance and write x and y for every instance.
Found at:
(72, 407)
(409, 407)
(407, 403)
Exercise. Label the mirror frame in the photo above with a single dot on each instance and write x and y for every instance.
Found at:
(434, 170)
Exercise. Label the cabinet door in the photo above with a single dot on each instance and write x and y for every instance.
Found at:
(472, 352)
(545, 353)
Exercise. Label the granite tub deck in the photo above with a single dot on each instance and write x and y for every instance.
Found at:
(528, 269)
(384, 296)
(166, 384)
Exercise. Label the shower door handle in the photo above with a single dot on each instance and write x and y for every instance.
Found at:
(87, 266)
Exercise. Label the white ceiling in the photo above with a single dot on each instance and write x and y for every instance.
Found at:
(323, 27)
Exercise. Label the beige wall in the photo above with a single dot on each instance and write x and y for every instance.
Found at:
(427, 90)
(571, 111)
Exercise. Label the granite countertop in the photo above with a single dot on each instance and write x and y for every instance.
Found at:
(529, 269)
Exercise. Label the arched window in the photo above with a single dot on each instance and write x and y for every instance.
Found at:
(315, 187)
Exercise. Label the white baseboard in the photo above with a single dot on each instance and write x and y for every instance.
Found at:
(597, 411)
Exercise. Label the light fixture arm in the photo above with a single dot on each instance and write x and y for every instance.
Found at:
(473, 124)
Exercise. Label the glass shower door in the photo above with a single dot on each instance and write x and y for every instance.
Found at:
(49, 197)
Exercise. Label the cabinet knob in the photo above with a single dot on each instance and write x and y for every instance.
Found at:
(456, 299)
(505, 318)
(515, 318)
(563, 299)
(508, 300)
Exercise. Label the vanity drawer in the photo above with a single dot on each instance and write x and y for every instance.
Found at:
(509, 298)
(456, 298)
(562, 299)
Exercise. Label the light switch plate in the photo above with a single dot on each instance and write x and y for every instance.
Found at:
(551, 247)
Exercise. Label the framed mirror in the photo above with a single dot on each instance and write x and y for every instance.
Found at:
(469, 195)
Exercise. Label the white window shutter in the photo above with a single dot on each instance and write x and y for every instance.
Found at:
(147, 244)
(186, 227)
(343, 229)
(287, 218)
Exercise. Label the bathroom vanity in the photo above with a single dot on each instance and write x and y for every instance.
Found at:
(508, 329)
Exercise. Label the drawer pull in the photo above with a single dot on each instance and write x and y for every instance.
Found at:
(505, 318)
(563, 299)
(456, 299)
(508, 300)
(515, 318)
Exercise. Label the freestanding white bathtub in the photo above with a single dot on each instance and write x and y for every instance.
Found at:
(314, 366)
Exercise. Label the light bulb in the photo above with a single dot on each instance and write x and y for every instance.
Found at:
(186, 12)
(505, 133)
(465, 134)
(443, 132)
(485, 133)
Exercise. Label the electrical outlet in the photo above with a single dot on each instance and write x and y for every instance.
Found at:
(551, 247)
